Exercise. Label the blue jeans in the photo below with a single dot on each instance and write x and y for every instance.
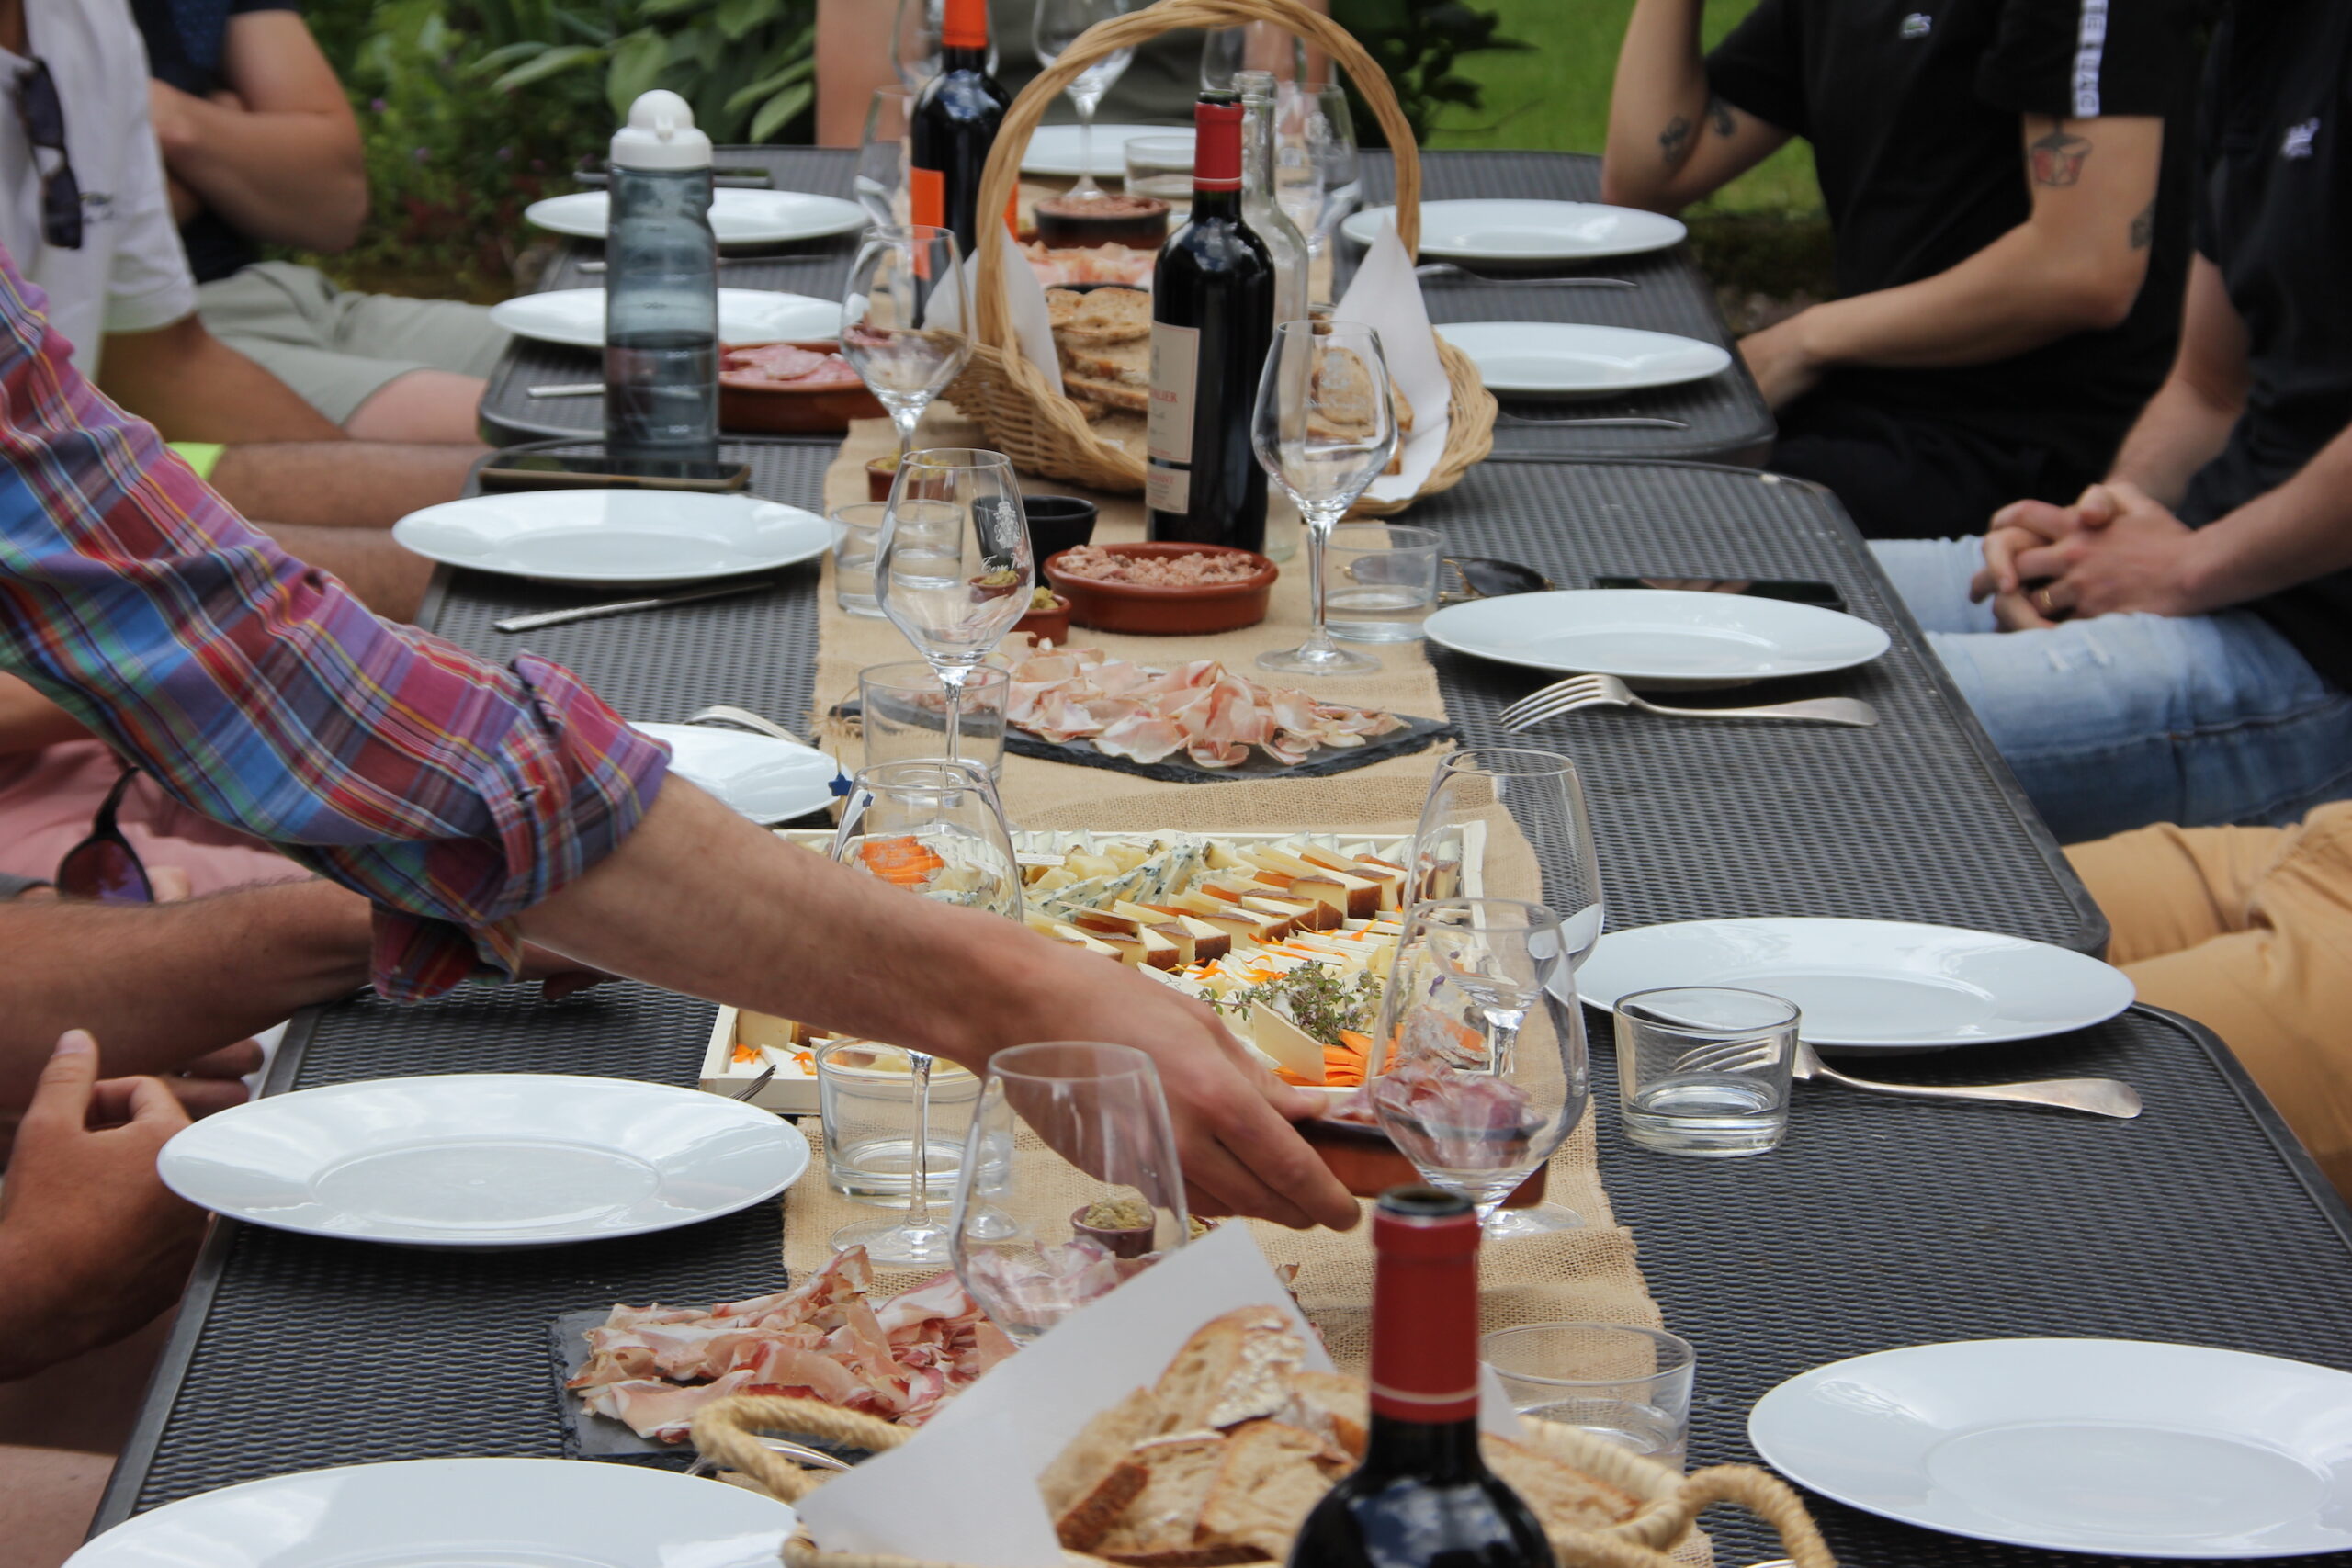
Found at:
(2124, 720)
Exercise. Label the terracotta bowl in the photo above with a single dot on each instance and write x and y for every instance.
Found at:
(1167, 611)
(774, 409)
(880, 475)
(1051, 625)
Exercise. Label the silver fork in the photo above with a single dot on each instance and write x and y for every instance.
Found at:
(2099, 1097)
(1607, 691)
(752, 1089)
(1616, 421)
(1726, 1056)
(1447, 269)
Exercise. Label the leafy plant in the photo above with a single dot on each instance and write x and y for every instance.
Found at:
(748, 67)
(1417, 43)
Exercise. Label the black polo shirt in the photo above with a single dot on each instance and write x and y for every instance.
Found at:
(1912, 108)
(2274, 213)
(186, 41)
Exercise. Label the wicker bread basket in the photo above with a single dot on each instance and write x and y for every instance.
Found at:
(725, 1433)
(1045, 433)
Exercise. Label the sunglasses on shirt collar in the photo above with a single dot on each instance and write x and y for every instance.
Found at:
(103, 866)
(41, 114)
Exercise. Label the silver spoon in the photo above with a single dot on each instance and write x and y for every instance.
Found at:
(1447, 269)
(2099, 1097)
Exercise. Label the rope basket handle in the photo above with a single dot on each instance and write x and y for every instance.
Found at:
(1028, 110)
(724, 1432)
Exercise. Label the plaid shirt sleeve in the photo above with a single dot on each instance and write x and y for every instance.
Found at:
(453, 793)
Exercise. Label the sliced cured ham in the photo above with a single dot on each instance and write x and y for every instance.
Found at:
(1201, 709)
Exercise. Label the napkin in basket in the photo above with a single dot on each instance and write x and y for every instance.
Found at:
(1386, 296)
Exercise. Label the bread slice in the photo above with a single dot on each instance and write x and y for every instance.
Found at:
(1334, 1406)
(1114, 396)
(1157, 1526)
(1101, 316)
(1126, 364)
(1231, 1370)
(1272, 1476)
(1562, 1496)
(1091, 1481)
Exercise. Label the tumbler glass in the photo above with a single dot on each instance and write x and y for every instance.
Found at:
(1705, 1070)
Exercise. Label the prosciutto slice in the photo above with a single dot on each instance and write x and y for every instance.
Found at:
(1212, 715)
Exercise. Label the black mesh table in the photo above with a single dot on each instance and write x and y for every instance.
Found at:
(1728, 421)
(1879, 1223)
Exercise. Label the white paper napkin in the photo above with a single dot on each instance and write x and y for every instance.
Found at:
(1386, 296)
(1033, 328)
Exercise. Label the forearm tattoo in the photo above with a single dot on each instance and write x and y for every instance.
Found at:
(1719, 115)
(2144, 228)
(2056, 159)
(1674, 142)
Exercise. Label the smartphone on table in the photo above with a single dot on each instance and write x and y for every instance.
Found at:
(550, 471)
(1797, 591)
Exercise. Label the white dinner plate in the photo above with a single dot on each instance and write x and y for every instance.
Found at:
(737, 217)
(2112, 1446)
(484, 1159)
(1887, 985)
(1053, 149)
(1525, 233)
(1657, 636)
(456, 1513)
(767, 779)
(614, 535)
(1559, 359)
(575, 317)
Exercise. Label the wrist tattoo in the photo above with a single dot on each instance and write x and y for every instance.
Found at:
(1719, 116)
(2144, 228)
(2056, 159)
(1674, 142)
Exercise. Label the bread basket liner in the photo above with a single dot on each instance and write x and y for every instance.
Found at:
(1043, 433)
(724, 1432)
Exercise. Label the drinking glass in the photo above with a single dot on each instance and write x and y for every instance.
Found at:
(1323, 430)
(1482, 1072)
(1070, 1182)
(881, 178)
(934, 827)
(1545, 800)
(903, 714)
(1619, 1382)
(1052, 30)
(857, 533)
(862, 1100)
(953, 572)
(1383, 580)
(1705, 1070)
(1160, 166)
(1331, 147)
(1254, 45)
(906, 320)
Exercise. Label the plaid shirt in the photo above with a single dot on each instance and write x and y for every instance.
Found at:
(453, 793)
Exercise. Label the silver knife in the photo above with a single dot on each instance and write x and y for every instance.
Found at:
(625, 606)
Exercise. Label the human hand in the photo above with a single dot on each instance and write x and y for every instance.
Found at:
(557, 977)
(215, 1081)
(2132, 559)
(2027, 524)
(1777, 357)
(93, 1245)
(1232, 1118)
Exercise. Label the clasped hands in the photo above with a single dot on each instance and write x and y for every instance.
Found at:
(2117, 550)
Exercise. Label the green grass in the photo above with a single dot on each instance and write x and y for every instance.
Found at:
(1556, 96)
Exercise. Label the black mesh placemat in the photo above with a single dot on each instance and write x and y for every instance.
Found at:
(1912, 820)
(1729, 423)
(757, 650)
(818, 267)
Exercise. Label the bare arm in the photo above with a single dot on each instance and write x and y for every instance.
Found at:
(822, 944)
(2188, 423)
(282, 163)
(854, 56)
(30, 721)
(347, 484)
(192, 386)
(1671, 141)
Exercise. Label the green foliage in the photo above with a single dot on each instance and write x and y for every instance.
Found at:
(1418, 43)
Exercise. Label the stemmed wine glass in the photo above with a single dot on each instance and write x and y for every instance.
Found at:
(1254, 46)
(936, 829)
(1331, 134)
(1052, 30)
(1545, 800)
(1323, 430)
(881, 178)
(906, 320)
(1483, 1072)
(953, 569)
(1070, 1184)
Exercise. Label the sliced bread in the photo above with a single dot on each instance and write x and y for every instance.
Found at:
(1157, 1527)
(1272, 1476)
(1232, 1371)
(1091, 1481)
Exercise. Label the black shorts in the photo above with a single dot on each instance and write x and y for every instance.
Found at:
(1906, 476)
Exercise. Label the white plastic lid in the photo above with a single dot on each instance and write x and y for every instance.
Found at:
(661, 134)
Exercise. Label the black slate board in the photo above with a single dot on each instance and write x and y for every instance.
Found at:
(1419, 735)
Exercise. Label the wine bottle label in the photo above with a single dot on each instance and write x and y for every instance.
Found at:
(1175, 376)
(1168, 489)
(927, 197)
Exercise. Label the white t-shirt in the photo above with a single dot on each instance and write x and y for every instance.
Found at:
(130, 274)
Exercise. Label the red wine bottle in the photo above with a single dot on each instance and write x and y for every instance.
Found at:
(953, 125)
(1212, 321)
(1423, 1496)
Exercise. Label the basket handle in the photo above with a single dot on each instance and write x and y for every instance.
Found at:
(723, 1432)
(997, 184)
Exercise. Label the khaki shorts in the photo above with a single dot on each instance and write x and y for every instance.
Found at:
(338, 348)
(2249, 931)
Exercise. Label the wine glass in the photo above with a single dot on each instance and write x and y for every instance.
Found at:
(1324, 429)
(1331, 149)
(906, 320)
(1483, 1071)
(1254, 46)
(1298, 182)
(1052, 30)
(1069, 1183)
(953, 569)
(881, 178)
(1545, 800)
(936, 829)
(915, 43)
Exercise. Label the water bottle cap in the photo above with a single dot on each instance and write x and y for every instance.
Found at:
(661, 134)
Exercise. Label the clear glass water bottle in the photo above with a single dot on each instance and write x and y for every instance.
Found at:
(660, 290)
(1288, 247)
